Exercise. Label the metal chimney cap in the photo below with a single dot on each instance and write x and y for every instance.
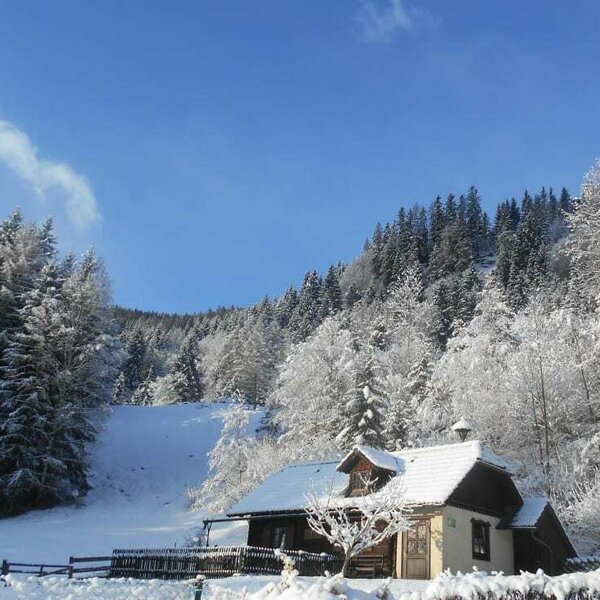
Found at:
(463, 428)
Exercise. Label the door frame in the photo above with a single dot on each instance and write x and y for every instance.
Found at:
(427, 522)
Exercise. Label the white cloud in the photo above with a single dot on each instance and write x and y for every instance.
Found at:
(48, 179)
(380, 20)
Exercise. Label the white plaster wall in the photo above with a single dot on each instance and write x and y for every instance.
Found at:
(457, 543)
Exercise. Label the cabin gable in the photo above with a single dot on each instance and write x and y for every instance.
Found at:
(487, 490)
(364, 476)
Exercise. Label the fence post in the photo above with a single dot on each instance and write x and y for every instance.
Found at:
(199, 587)
(5, 567)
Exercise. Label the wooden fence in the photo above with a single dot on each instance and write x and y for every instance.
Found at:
(90, 566)
(78, 567)
(37, 569)
(187, 563)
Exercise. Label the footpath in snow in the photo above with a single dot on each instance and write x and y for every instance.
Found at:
(145, 458)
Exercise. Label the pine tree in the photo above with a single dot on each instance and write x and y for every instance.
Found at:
(363, 419)
(565, 202)
(504, 256)
(584, 243)
(454, 299)
(422, 237)
(30, 474)
(376, 249)
(418, 381)
(514, 214)
(476, 231)
(118, 396)
(136, 350)
(331, 298)
(85, 365)
(529, 256)
(285, 307)
(187, 380)
(451, 253)
(438, 221)
(144, 393)
(351, 296)
(450, 210)
(306, 316)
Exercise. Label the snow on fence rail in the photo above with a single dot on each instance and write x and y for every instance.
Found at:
(186, 563)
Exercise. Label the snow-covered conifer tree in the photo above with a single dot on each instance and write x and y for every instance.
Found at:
(32, 473)
(144, 393)
(584, 243)
(187, 378)
(363, 415)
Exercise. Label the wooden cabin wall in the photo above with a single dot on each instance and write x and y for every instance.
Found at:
(531, 555)
(299, 536)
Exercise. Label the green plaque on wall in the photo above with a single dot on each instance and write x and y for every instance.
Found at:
(451, 522)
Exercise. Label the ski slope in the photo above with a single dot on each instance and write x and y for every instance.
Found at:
(140, 467)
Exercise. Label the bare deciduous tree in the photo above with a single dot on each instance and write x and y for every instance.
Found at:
(354, 525)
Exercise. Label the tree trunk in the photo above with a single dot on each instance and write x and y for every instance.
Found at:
(346, 564)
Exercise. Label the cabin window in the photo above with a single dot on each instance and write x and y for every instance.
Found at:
(359, 481)
(278, 535)
(481, 539)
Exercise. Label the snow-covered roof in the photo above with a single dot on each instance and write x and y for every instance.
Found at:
(529, 514)
(378, 458)
(286, 489)
(429, 476)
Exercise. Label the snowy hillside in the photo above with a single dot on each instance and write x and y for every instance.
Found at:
(144, 459)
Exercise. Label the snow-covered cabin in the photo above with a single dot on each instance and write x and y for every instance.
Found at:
(466, 512)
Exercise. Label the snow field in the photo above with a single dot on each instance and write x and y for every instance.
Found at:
(140, 467)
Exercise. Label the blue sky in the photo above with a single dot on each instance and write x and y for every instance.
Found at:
(213, 151)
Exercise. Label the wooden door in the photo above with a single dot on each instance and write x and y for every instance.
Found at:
(416, 550)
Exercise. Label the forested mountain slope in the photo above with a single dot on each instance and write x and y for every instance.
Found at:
(389, 350)
(169, 358)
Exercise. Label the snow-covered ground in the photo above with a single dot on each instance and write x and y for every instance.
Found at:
(306, 588)
(58, 588)
(144, 460)
(444, 587)
(291, 587)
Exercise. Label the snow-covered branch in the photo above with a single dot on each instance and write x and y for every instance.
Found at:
(354, 525)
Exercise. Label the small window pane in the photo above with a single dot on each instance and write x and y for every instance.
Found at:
(481, 540)
(278, 537)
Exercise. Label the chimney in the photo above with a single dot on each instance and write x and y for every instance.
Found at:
(463, 428)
